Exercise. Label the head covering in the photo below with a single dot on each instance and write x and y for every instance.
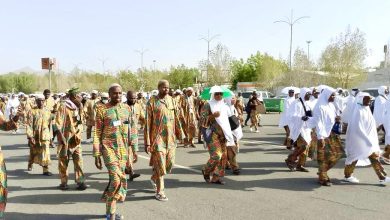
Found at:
(40, 96)
(189, 88)
(381, 90)
(94, 92)
(360, 97)
(302, 93)
(223, 119)
(73, 91)
(104, 95)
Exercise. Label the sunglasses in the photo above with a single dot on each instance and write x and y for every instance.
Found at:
(218, 93)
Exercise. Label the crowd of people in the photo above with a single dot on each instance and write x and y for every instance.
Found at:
(313, 118)
(169, 119)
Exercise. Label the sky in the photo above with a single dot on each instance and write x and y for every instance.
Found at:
(84, 33)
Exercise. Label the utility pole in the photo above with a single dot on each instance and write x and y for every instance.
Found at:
(208, 39)
(141, 53)
(308, 52)
(154, 65)
(291, 21)
(103, 60)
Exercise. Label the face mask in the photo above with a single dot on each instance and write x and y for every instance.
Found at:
(105, 101)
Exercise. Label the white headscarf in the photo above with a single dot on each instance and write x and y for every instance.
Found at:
(237, 133)
(324, 114)
(362, 137)
(223, 119)
(296, 124)
(381, 90)
(285, 114)
(379, 106)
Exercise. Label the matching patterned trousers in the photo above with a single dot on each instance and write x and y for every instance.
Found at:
(218, 156)
(162, 163)
(40, 154)
(374, 159)
(232, 157)
(329, 151)
(300, 152)
(255, 117)
(63, 162)
(115, 161)
(3, 185)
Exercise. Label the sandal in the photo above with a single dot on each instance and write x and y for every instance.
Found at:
(236, 172)
(206, 177)
(161, 197)
(117, 216)
(219, 182)
(290, 165)
(47, 173)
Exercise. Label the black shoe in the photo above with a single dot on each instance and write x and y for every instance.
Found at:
(236, 172)
(200, 142)
(82, 186)
(133, 176)
(63, 186)
(47, 173)
(290, 165)
(301, 169)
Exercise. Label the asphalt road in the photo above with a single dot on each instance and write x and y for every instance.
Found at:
(264, 190)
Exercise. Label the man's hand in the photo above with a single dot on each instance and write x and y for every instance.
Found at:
(216, 114)
(147, 149)
(135, 157)
(305, 118)
(98, 162)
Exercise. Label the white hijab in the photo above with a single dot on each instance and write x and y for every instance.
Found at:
(237, 133)
(324, 114)
(223, 119)
(379, 106)
(296, 124)
(362, 137)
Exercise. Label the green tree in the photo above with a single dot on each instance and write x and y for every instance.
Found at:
(344, 57)
(181, 76)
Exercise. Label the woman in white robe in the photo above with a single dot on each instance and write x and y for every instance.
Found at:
(300, 131)
(362, 141)
(283, 122)
(232, 151)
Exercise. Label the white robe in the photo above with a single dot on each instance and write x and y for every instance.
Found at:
(362, 137)
(379, 109)
(285, 114)
(297, 125)
(349, 106)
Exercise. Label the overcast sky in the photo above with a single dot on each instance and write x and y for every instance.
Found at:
(84, 32)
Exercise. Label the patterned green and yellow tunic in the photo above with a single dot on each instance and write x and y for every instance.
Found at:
(111, 140)
(38, 128)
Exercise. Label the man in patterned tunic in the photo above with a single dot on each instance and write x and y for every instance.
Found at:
(111, 141)
(136, 115)
(38, 135)
(90, 113)
(162, 128)
(190, 116)
(68, 127)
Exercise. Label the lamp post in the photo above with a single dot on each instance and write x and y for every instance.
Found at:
(208, 39)
(291, 21)
(141, 53)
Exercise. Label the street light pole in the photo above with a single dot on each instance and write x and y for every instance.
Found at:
(154, 65)
(291, 21)
(141, 53)
(308, 50)
(208, 39)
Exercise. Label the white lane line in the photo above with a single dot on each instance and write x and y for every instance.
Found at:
(176, 165)
(261, 143)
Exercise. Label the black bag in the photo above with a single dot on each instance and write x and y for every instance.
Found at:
(308, 113)
(234, 122)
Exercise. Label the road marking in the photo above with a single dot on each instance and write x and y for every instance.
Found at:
(176, 165)
(260, 142)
